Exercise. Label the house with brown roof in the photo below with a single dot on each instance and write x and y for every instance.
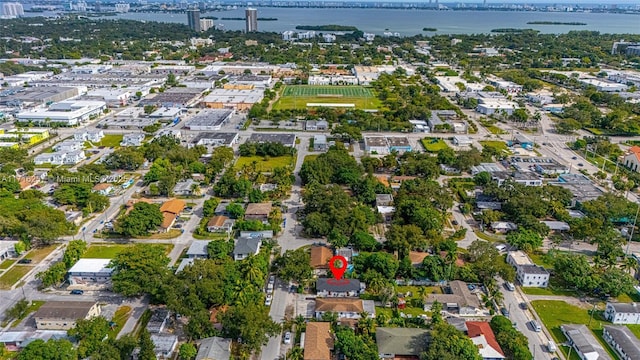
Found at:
(170, 211)
(345, 308)
(220, 223)
(62, 315)
(458, 298)
(319, 260)
(632, 158)
(318, 341)
(483, 337)
(258, 211)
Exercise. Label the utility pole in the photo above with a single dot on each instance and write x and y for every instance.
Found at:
(592, 311)
(632, 230)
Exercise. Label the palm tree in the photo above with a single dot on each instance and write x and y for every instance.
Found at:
(366, 325)
(296, 353)
(498, 296)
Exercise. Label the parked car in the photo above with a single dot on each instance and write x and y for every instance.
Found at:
(77, 292)
(535, 326)
(509, 286)
(25, 261)
(580, 164)
(574, 158)
(523, 305)
(287, 337)
(504, 312)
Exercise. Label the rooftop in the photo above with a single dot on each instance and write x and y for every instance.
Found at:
(478, 328)
(209, 117)
(534, 269)
(402, 341)
(258, 209)
(519, 258)
(198, 248)
(320, 256)
(627, 341)
(91, 266)
(332, 285)
(73, 310)
(629, 308)
(585, 342)
(174, 206)
(214, 348)
(318, 341)
(284, 139)
(339, 305)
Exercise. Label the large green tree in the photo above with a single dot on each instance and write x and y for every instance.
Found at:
(251, 323)
(448, 343)
(294, 265)
(90, 333)
(140, 269)
(142, 219)
(49, 350)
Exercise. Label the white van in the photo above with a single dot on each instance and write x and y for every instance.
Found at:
(501, 247)
(535, 326)
(551, 346)
(509, 286)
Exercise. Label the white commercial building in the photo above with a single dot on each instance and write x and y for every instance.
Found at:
(68, 113)
(209, 119)
(623, 313)
(11, 10)
(528, 273)
(90, 272)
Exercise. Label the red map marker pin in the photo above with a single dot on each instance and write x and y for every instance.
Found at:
(338, 272)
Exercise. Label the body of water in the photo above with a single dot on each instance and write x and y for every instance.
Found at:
(411, 22)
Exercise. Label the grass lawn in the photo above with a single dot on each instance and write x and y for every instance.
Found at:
(310, 158)
(13, 275)
(265, 164)
(33, 307)
(297, 96)
(415, 290)
(110, 141)
(635, 329)
(96, 251)
(120, 318)
(500, 146)
(7, 263)
(547, 291)
(38, 254)
(433, 145)
(554, 313)
(541, 260)
(171, 234)
(408, 311)
(487, 237)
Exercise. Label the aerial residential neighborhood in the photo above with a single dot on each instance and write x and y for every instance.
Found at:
(182, 191)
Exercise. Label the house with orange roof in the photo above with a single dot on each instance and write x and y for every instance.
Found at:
(319, 260)
(632, 159)
(345, 308)
(170, 210)
(102, 189)
(483, 337)
(318, 341)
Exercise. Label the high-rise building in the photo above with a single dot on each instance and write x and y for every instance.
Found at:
(193, 17)
(206, 24)
(12, 10)
(252, 19)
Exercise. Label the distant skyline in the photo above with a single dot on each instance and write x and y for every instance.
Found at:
(522, 2)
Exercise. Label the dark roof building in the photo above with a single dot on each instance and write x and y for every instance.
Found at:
(622, 341)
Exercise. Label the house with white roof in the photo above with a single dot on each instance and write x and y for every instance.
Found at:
(90, 273)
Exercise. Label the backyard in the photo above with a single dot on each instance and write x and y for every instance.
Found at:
(119, 319)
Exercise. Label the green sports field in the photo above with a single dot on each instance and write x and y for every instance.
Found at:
(298, 96)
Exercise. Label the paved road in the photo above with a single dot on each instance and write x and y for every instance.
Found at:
(537, 340)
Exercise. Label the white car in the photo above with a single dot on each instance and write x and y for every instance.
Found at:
(287, 337)
(267, 302)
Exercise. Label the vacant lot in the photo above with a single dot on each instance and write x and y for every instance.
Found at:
(6, 264)
(109, 251)
(554, 313)
(434, 145)
(38, 254)
(119, 319)
(499, 146)
(297, 96)
(265, 164)
(13, 275)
